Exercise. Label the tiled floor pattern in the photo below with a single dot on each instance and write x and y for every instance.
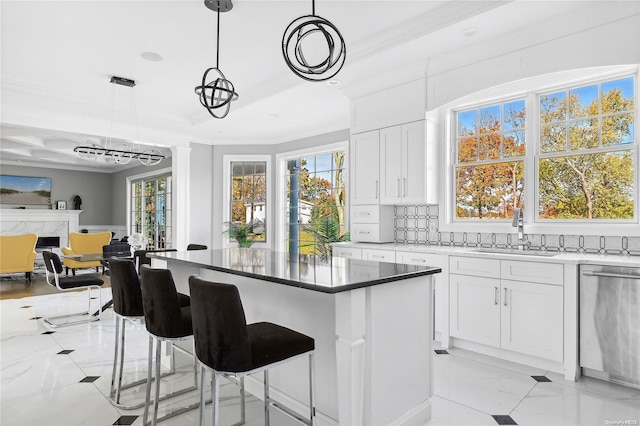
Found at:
(63, 378)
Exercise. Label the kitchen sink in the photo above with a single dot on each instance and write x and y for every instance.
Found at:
(516, 252)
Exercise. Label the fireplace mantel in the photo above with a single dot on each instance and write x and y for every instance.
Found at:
(45, 223)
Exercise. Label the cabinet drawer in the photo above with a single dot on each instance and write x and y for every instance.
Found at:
(475, 266)
(536, 272)
(379, 255)
(365, 214)
(365, 232)
(348, 252)
(422, 259)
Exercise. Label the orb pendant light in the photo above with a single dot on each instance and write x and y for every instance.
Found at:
(215, 91)
(300, 35)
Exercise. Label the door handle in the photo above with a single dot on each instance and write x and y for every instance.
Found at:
(495, 295)
(398, 188)
(404, 187)
(505, 297)
(377, 189)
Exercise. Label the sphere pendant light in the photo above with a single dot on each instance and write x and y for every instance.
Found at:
(304, 29)
(216, 92)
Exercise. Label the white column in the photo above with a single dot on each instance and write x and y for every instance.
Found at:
(181, 200)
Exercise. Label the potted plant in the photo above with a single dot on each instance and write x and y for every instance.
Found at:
(240, 232)
(327, 231)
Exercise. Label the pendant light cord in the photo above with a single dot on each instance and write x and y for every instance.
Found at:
(313, 7)
(218, 41)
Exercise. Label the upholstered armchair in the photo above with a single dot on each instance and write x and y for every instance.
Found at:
(84, 244)
(17, 254)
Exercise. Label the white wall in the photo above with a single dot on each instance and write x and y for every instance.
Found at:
(565, 43)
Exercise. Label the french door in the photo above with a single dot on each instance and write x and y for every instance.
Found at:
(151, 214)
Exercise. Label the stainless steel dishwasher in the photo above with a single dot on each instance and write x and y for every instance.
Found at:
(610, 323)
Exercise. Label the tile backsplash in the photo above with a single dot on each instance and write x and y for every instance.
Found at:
(419, 225)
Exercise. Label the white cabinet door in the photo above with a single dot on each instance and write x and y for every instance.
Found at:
(365, 168)
(532, 319)
(440, 297)
(414, 163)
(391, 159)
(403, 164)
(475, 309)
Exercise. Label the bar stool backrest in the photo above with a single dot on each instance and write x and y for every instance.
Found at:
(219, 326)
(125, 288)
(162, 311)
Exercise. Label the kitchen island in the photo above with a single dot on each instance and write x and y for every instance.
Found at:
(371, 322)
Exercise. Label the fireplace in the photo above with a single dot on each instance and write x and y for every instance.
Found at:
(47, 243)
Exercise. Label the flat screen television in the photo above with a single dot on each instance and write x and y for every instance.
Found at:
(25, 190)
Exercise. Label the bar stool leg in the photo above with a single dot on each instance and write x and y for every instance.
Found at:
(266, 398)
(122, 338)
(243, 411)
(203, 373)
(215, 388)
(312, 399)
(115, 358)
(148, 396)
(156, 399)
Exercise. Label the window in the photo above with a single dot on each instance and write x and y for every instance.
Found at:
(489, 169)
(586, 151)
(314, 201)
(576, 145)
(150, 213)
(249, 197)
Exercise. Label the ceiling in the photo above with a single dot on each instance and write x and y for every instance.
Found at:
(58, 56)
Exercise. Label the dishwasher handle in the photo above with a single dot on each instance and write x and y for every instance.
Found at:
(611, 274)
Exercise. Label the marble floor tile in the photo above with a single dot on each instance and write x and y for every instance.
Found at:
(554, 403)
(486, 388)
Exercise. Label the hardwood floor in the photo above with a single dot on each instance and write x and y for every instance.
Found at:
(16, 286)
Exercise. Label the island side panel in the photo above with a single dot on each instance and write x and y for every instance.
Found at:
(399, 354)
(351, 328)
(306, 311)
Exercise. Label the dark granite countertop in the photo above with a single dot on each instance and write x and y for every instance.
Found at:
(327, 275)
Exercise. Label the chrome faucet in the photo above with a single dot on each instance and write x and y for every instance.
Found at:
(518, 222)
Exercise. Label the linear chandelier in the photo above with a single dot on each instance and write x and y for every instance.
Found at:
(309, 27)
(217, 94)
(123, 153)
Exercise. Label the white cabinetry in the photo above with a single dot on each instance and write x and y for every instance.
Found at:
(403, 164)
(364, 167)
(514, 305)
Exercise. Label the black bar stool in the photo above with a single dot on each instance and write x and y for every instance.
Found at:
(127, 306)
(53, 270)
(229, 347)
(196, 247)
(168, 319)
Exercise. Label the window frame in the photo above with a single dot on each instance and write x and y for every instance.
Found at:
(226, 209)
(281, 170)
(533, 224)
(152, 175)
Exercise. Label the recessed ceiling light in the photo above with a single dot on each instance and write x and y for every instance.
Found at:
(470, 32)
(334, 82)
(151, 56)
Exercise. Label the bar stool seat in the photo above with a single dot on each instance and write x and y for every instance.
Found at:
(53, 269)
(227, 346)
(167, 319)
